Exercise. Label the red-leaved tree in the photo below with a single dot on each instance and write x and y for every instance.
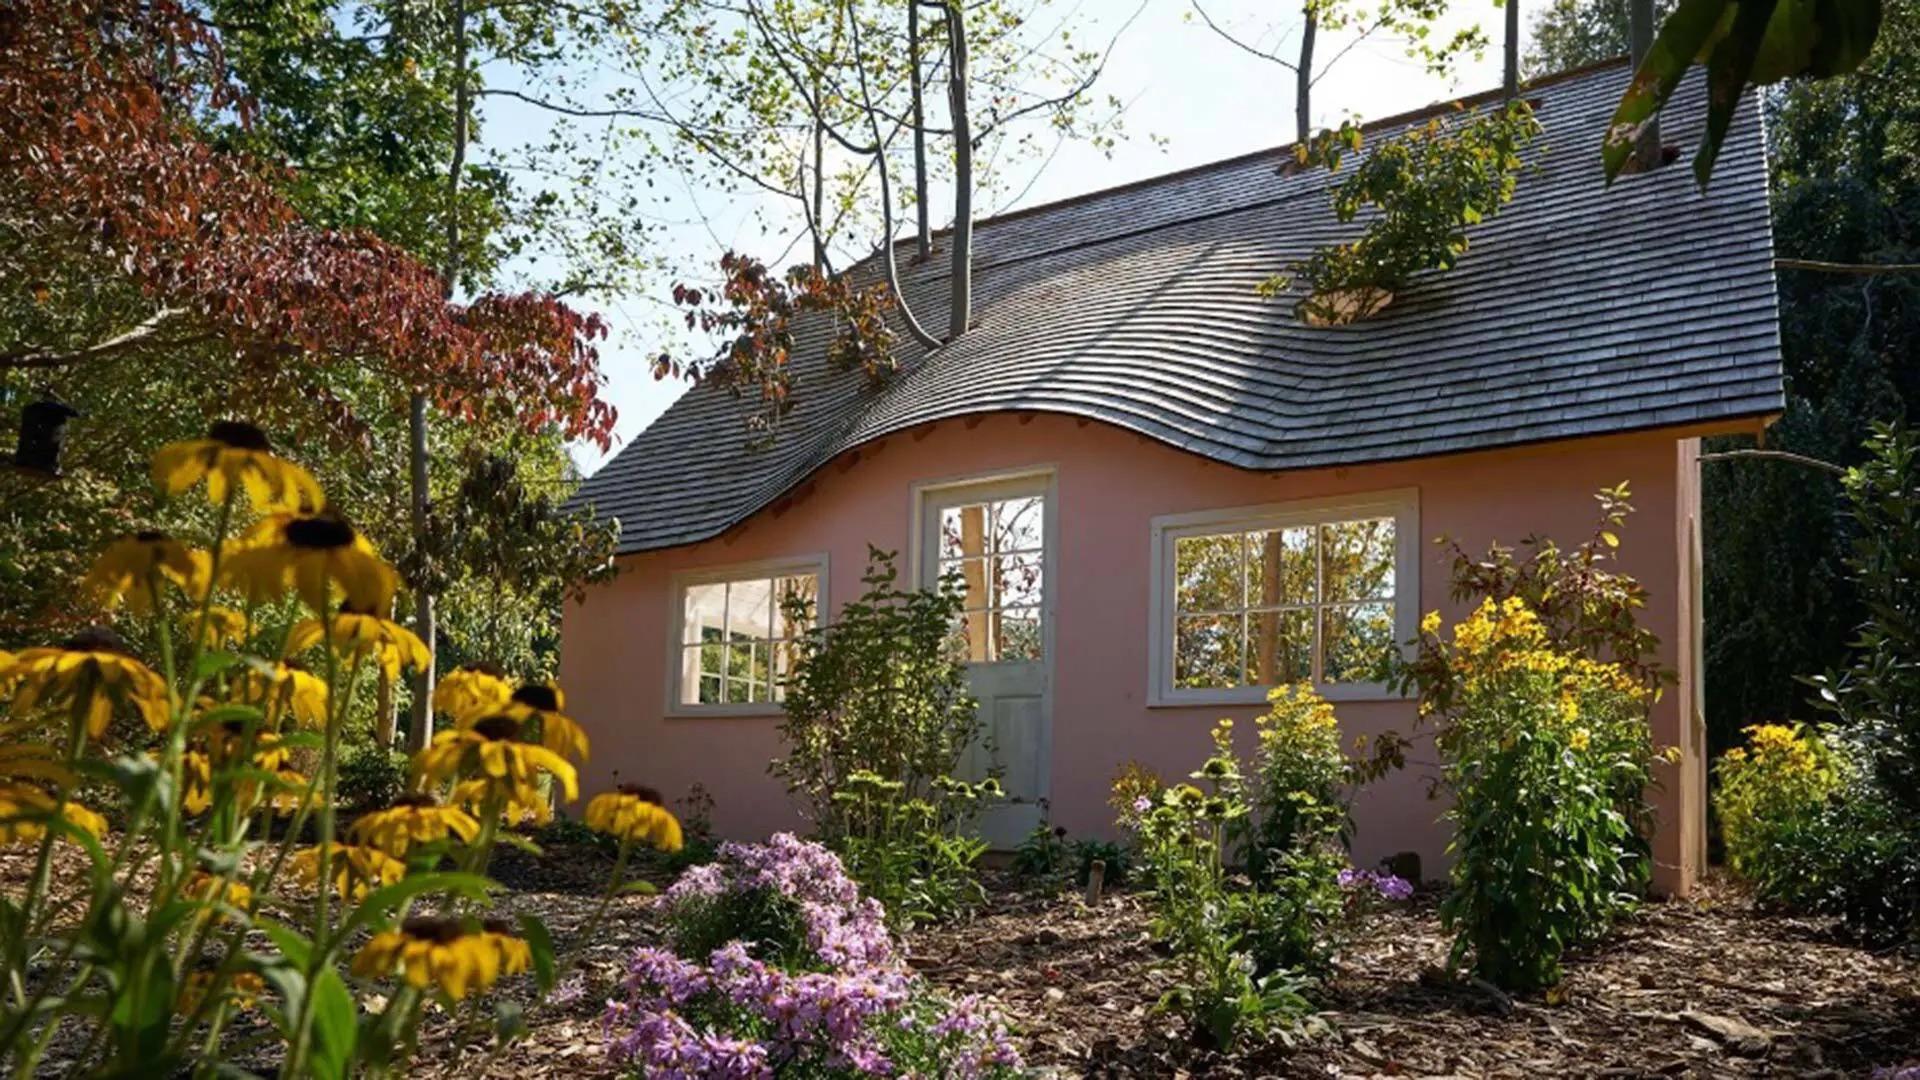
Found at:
(105, 184)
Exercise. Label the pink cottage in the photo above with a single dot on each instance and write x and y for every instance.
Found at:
(1165, 493)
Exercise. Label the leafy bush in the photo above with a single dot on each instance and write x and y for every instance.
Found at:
(789, 901)
(1218, 987)
(1771, 793)
(371, 776)
(917, 856)
(877, 691)
(1119, 861)
(1043, 853)
(778, 966)
(1878, 696)
(1547, 755)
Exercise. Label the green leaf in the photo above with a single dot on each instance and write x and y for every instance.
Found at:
(140, 1019)
(213, 663)
(513, 839)
(639, 888)
(1683, 36)
(335, 1025)
(293, 945)
(540, 943)
(386, 898)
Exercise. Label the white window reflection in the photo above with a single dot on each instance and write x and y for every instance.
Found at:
(994, 552)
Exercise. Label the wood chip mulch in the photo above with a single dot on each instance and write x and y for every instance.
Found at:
(1706, 988)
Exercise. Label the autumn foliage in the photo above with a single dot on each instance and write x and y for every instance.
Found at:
(755, 314)
(105, 179)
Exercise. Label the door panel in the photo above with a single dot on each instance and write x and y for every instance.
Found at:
(995, 539)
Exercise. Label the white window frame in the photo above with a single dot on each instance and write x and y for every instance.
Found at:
(1402, 505)
(677, 587)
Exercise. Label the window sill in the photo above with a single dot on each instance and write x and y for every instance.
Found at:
(723, 712)
(1337, 694)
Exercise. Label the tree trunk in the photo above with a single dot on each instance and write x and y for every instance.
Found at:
(819, 191)
(923, 231)
(420, 727)
(1303, 77)
(385, 717)
(1646, 149)
(1512, 83)
(962, 275)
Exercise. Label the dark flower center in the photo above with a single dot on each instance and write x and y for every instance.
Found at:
(497, 727)
(432, 928)
(643, 793)
(320, 532)
(95, 639)
(151, 536)
(416, 800)
(240, 435)
(537, 696)
(485, 667)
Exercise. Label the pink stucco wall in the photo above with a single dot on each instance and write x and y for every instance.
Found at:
(1110, 484)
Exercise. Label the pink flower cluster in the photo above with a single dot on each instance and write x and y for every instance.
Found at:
(1389, 886)
(731, 1016)
(842, 927)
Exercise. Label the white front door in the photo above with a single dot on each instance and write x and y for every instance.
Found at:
(995, 538)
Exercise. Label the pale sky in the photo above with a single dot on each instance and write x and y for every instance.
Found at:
(1204, 98)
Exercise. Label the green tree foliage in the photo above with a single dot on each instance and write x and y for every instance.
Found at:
(1743, 43)
(1567, 34)
(1428, 186)
(1846, 168)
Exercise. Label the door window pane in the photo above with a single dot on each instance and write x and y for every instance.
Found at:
(993, 552)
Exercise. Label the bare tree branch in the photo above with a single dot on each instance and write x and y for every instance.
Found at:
(886, 200)
(1241, 45)
(139, 336)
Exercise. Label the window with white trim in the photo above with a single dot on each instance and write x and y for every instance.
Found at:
(736, 640)
(1319, 592)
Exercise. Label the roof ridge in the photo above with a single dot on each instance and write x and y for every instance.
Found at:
(1431, 109)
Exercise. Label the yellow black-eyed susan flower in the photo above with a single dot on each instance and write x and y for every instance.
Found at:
(312, 554)
(542, 703)
(242, 990)
(237, 455)
(286, 690)
(26, 807)
(524, 806)
(635, 815)
(213, 890)
(472, 691)
(356, 868)
(196, 782)
(352, 633)
(456, 956)
(414, 818)
(132, 567)
(34, 761)
(91, 672)
(491, 751)
(224, 627)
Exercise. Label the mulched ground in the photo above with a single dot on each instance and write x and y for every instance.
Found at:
(1707, 988)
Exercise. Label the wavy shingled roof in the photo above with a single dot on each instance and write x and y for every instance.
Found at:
(1579, 310)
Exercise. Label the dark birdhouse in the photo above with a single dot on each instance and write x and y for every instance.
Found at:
(43, 433)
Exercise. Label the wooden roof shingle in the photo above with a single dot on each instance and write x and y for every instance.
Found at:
(1579, 310)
